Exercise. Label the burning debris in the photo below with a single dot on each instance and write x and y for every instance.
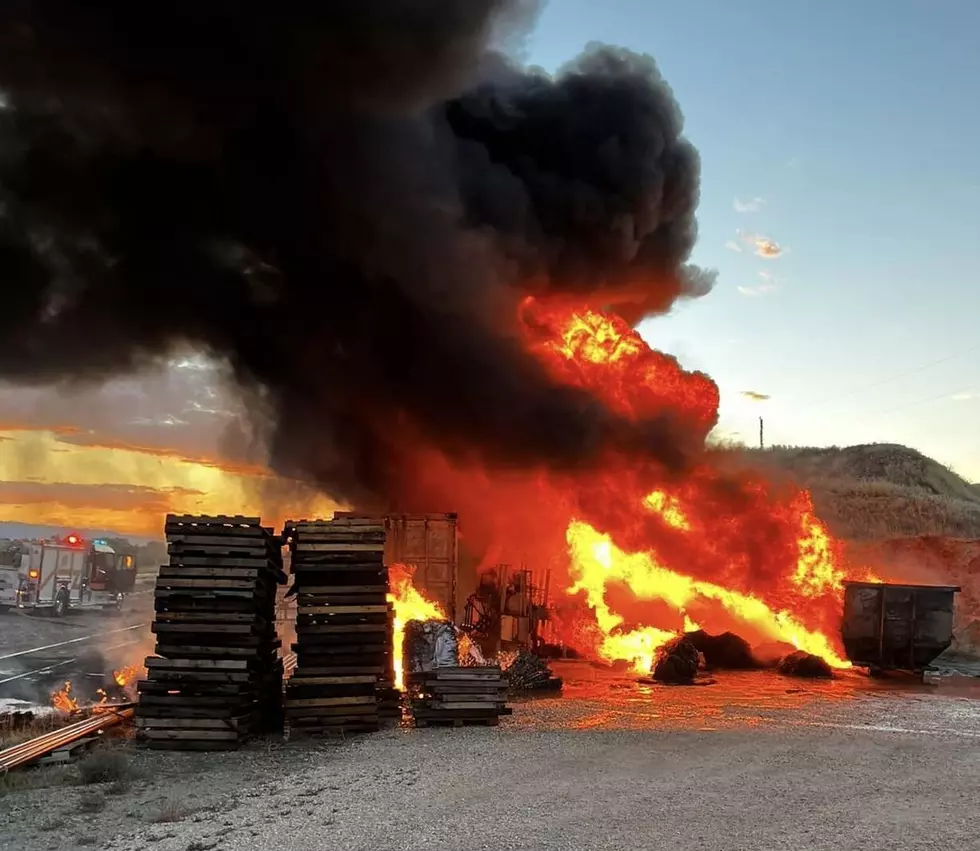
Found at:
(801, 664)
(529, 673)
(726, 651)
(63, 701)
(677, 662)
(371, 167)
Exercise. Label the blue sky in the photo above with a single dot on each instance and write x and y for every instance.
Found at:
(858, 124)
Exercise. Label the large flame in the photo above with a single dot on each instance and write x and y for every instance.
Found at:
(409, 604)
(649, 551)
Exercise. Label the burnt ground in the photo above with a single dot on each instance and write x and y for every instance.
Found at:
(755, 761)
(79, 647)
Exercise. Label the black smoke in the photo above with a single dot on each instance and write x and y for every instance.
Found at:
(345, 201)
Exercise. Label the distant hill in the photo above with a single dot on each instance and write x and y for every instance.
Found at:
(29, 531)
(879, 491)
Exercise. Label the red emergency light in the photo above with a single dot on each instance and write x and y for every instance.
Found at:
(73, 539)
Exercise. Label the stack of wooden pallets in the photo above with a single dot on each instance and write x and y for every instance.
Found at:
(458, 696)
(343, 624)
(217, 676)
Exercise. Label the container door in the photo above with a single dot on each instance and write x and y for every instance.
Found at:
(897, 624)
(428, 544)
(861, 625)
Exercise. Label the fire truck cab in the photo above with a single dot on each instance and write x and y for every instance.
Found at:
(72, 573)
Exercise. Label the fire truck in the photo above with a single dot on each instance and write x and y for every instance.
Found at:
(73, 573)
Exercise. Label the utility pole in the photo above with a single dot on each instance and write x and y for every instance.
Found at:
(762, 444)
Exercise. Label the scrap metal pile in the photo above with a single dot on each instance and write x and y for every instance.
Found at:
(441, 691)
(343, 625)
(217, 678)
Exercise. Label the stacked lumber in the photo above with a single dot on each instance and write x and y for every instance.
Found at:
(343, 625)
(458, 696)
(217, 676)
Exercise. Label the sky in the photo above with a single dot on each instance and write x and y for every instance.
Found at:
(840, 204)
(845, 132)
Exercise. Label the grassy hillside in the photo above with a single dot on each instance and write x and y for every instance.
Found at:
(880, 491)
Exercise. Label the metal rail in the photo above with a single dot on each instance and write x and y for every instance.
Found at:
(72, 641)
(60, 663)
(35, 748)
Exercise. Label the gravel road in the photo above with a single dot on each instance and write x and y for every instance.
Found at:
(754, 762)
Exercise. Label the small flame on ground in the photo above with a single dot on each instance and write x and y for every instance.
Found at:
(62, 699)
(409, 605)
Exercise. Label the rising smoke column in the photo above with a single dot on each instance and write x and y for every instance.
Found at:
(347, 201)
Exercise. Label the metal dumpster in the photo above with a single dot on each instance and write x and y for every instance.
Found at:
(896, 627)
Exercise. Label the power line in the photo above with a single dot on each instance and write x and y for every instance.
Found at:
(890, 378)
(974, 389)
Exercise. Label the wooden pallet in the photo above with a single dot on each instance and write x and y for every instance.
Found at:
(343, 623)
(458, 695)
(217, 677)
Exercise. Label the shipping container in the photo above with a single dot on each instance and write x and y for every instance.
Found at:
(896, 627)
(427, 542)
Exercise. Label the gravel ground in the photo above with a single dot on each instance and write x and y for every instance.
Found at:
(754, 762)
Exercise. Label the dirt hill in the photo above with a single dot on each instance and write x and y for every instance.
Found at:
(903, 514)
(879, 491)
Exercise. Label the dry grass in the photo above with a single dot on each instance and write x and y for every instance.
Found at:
(11, 735)
(104, 765)
(171, 811)
(879, 491)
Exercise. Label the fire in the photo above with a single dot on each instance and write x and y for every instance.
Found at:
(62, 699)
(409, 605)
(126, 675)
(654, 553)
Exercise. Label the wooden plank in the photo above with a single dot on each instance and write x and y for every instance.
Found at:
(222, 540)
(343, 589)
(337, 670)
(159, 723)
(258, 561)
(339, 548)
(325, 629)
(199, 735)
(191, 571)
(209, 617)
(329, 701)
(153, 662)
(215, 583)
(342, 610)
(204, 629)
(304, 679)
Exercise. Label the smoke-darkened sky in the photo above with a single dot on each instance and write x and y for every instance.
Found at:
(345, 205)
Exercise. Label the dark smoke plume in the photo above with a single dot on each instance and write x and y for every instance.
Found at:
(345, 200)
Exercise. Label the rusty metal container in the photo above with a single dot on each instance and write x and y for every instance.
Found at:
(427, 542)
(896, 627)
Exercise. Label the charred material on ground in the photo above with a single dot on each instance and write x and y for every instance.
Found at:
(676, 662)
(806, 665)
(725, 651)
(530, 673)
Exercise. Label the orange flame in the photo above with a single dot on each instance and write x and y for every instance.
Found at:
(124, 676)
(63, 701)
(716, 549)
(409, 605)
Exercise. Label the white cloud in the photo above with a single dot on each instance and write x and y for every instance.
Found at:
(732, 245)
(769, 284)
(753, 205)
(763, 245)
(761, 289)
(964, 397)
